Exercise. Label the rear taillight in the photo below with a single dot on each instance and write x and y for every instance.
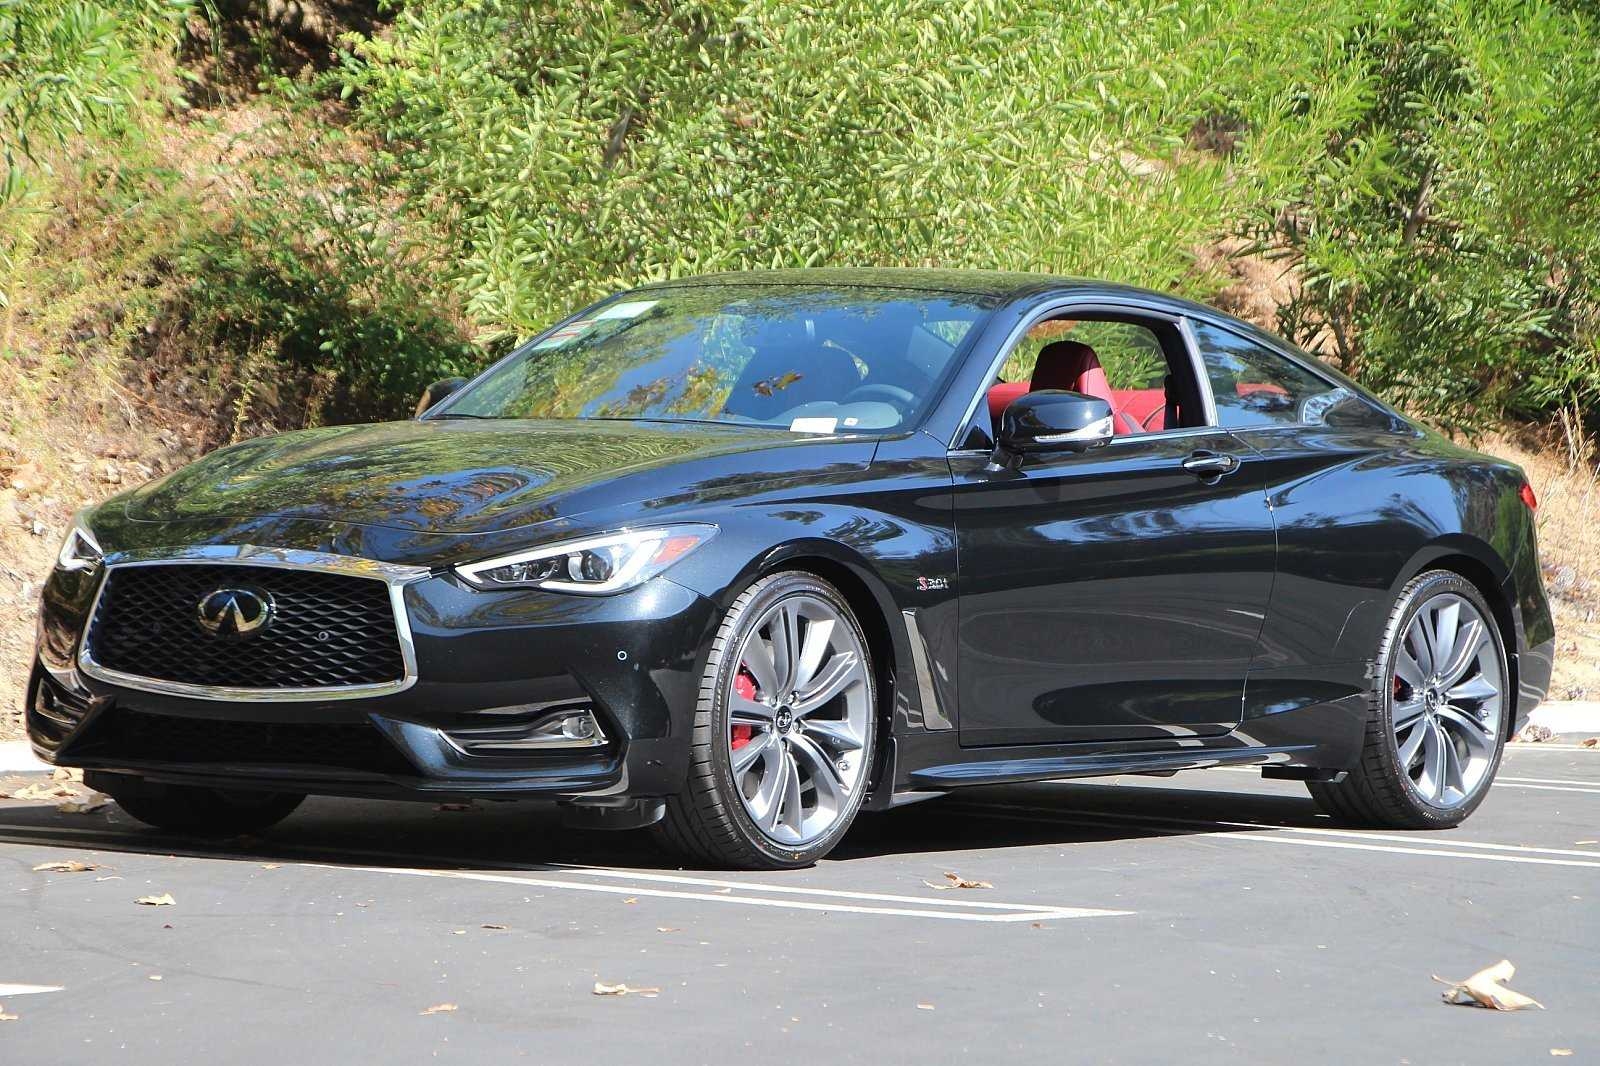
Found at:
(1528, 496)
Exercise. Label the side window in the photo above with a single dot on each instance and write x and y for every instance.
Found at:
(1130, 354)
(1254, 386)
(1139, 365)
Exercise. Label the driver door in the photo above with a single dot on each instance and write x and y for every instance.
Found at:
(1112, 594)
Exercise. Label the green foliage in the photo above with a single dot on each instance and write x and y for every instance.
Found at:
(568, 149)
(1428, 170)
(323, 285)
(1449, 238)
(68, 69)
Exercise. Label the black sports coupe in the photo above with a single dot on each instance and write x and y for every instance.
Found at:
(738, 557)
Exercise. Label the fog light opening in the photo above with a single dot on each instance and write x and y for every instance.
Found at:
(570, 728)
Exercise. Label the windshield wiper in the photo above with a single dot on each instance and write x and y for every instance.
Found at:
(461, 414)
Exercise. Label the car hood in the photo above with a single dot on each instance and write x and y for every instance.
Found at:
(447, 476)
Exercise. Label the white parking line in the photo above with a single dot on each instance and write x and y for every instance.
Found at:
(642, 883)
(1548, 747)
(746, 886)
(927, 908)
(1297, 836)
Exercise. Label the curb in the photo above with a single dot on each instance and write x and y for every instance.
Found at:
(16, 757)
(1569, 719)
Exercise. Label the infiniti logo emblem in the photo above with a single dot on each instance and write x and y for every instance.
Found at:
(235, 612)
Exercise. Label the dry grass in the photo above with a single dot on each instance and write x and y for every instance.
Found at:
(1562, 468)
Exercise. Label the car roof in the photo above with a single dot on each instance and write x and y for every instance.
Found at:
(1005, 285)
(1000, 283)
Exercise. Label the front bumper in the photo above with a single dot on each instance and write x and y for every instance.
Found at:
(633, 659)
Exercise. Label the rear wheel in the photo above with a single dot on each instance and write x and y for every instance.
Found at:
(1436, 728)
(201, 811)
(783, 731)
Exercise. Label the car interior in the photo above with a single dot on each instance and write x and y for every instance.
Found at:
(863, 373)
(1138, 366)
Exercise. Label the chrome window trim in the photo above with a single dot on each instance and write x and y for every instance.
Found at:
(1197, 366)
(1091, 305)
(395, 576)
(1114, 442)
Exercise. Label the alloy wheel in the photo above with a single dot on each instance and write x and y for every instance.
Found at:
(1447, 700)
(799, 714)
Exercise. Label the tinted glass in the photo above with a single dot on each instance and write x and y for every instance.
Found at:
(807, 359)
(1254, 386)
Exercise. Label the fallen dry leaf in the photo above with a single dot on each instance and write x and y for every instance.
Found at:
(924, 1006)
(66, 866)
(440, 1008)
(1561, 1052)
(601, 989)
(4, 1017)
(957, 881)
(269, 866)
(87, 805)
(668, 929)
(1486, 988)
(43, 792)
(154, 976)
(631, 899)
(1590, 742)
(163, 900)
(488, 925)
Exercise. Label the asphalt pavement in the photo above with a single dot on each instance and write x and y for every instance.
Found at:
(1207, 917)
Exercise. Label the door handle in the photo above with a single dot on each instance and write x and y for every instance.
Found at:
(1205, 464)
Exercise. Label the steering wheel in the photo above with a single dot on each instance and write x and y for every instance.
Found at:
(900, 399)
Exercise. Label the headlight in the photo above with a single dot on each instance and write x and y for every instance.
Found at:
(80, 551)
(596, 566)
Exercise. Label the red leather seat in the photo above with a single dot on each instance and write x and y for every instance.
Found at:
(1001, 395)
(1069, 365)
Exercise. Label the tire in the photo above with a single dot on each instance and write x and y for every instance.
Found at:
(775, 781)
(201, 811)
(1435, 768)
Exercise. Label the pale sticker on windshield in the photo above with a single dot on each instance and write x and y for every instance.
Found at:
(571, 331)
(632, 309)
(813, 425)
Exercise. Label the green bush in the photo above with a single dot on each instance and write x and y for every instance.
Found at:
(1450, 238)
(563, 150)
(472, 169)
(312, 277)
(70, 71)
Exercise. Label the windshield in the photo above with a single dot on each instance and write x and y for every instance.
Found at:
(806, 359)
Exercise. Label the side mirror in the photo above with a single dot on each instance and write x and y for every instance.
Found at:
(437, 392)
(1054, 421)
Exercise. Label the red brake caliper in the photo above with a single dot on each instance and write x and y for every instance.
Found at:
(744, 683)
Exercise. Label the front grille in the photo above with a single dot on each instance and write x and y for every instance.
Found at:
(327, 630)
(137, 736)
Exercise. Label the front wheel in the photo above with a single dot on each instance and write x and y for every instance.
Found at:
(783, 732)
(1439, 706)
